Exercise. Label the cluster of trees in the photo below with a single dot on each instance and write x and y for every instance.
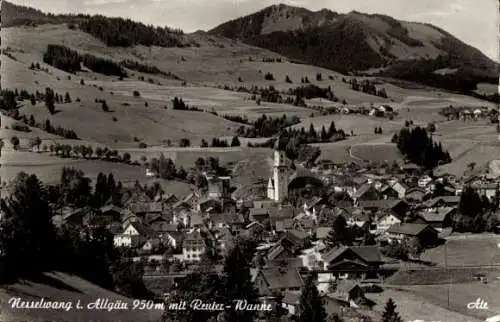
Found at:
(125, 32)
(144, 68)
(269, 76)
(49, 128)
(69, 60)
(475, 213)
(179, 104)
(312, 136)
(419, 147)
(237, 119)
(266, 126)
(221, 143)
(30, 244)
(271, 60)
(378, 130)
(367, 87)
(313, 91)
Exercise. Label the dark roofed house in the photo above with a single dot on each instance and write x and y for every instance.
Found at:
(415, 194)
(271, 280)
(427, 235)
(397, 206)
(439, 219)
(353, 261)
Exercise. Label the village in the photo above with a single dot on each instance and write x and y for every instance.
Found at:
(352, 226)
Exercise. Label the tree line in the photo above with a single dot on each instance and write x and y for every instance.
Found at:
(68, 60)
(367, 87)
(125, 32)
(266, 126)
(145, 68)
(49, 128)
(419, 147)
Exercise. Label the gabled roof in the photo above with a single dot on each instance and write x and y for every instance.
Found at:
(368, 254)
(409, 229)
(438, 216)
(277, 278)
(143, 230)
(447, 199)
(194, 236)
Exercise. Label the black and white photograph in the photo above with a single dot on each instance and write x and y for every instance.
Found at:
(250, 161)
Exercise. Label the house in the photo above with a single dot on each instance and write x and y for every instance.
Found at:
(75, 217)
(360, 219)
(193, 247)
(386, 220)
(424, 181)
(389, 192)
(277, 279)
(415, 194)
(291, 302)
(111, 213)
(295, 240)
(173, 238)
(399, 207)
(439, 219)
(348, 291)
(133, 235)
(426, 235)
(439, 202)
(235, 222)
(151, 245)
(365, 192)
(353, 262)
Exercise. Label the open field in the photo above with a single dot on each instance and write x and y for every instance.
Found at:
(413, 307)
(459, 296)
(466, 250)
(67, 288)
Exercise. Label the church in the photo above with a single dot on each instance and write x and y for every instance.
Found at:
(277, 187)
(284, 178)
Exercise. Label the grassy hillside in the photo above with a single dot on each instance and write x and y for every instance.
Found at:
(67, 288)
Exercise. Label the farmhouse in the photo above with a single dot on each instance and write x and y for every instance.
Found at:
(426, 235)
(193, 247)
(355, 262)
(278, 279)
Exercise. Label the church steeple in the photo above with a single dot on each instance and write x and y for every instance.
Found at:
(278, 185)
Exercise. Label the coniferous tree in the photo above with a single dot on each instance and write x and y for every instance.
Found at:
(235, 141)
(339, 235)
(27, 236)
(311, 303)
(236, 280)
(390, 314)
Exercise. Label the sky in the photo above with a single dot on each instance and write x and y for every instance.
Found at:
(476, 22)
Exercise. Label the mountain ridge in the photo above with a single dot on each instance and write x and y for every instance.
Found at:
(357, 42)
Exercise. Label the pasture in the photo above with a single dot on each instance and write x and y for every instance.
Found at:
(459, 296)
(413, 307)
(466, 250)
